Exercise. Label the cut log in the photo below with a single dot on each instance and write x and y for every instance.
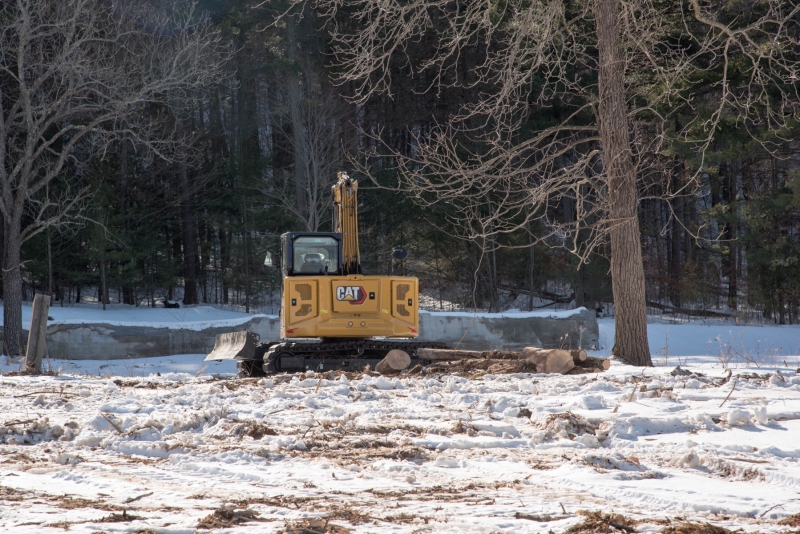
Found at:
(394, 362)
(502, 355)
(578, 370)
(447, 354)
(578, 355)
(530, 359)
(590, 363)
(549, 361)
(456, 355)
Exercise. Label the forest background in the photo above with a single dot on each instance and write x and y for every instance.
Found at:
(273, 131)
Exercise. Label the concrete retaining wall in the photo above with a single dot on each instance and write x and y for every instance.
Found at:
(510, 332)
(485, 331)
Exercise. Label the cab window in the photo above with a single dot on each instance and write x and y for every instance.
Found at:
(316, 255)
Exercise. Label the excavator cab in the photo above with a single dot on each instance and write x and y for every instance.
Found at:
(315, 253)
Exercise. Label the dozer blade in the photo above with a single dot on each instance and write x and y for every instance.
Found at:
(234, 346)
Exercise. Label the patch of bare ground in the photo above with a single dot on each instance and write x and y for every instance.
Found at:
(688, 527)
(330, 523)
(234, 384)
(597, 521)
(145, 384)
(388, 429)
(64, 502)
(12, 457)
(252, 429)
(60, 524)
(48, 372)
(138, 531)
(228, 517)
(469, 493)
(313, 525)
(124, 517)
(566, 425)
(365, 451)
(539, 518)
(345, 509)
(69, 503)
(346, 513)
(333, 510)
(405, 518)
(148, 461)
(14, 495)
(540, 465)
(791, 521)
(281, 501)
(729, 470)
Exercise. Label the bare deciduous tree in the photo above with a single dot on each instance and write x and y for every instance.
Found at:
(74, 76)
(609, 66)
(311, 117)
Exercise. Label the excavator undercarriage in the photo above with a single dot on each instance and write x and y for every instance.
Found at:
(262, 359)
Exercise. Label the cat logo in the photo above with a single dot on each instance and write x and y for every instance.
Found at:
(351, 294)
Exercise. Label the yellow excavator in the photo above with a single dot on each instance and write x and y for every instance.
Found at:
(333, 317)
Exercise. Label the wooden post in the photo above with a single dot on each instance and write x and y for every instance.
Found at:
(457, 354)
(37, 341)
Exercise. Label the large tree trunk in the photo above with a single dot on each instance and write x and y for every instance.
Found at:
(12, 288)
(627, 271)
(2, 253)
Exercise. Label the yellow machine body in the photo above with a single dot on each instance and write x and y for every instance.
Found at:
(343, 303)
(354, 306)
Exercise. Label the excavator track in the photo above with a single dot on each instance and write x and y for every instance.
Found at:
(348, 355)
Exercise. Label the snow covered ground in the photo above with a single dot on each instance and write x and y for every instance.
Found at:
(166, 445)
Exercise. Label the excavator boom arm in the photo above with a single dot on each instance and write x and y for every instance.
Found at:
(345, 221)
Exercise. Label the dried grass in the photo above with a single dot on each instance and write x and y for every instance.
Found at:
(566, 425)
(13, 495)
(227, 517)
(68, 503)
(253, 429)
(597, 522)
(314, 525)
(124, 517)
(695, 528)
(791, 521)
